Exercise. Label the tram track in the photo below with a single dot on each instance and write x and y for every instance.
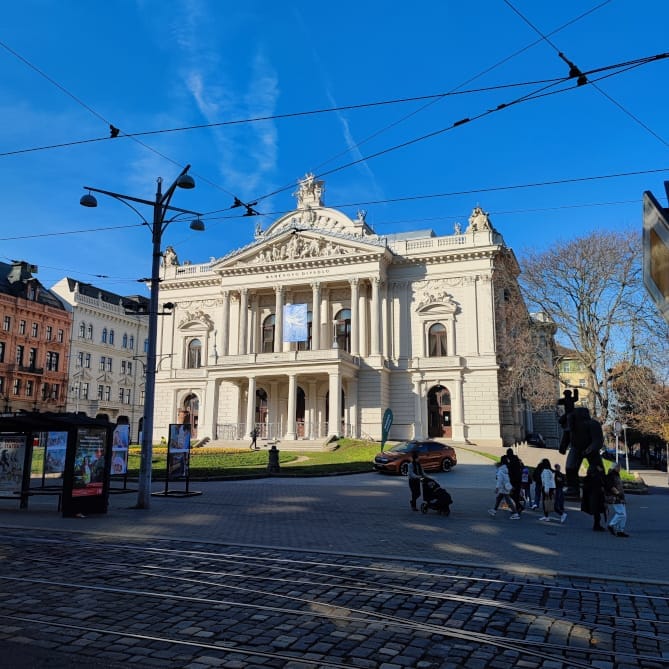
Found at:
(305, 589)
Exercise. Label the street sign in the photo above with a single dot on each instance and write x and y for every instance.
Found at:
(656, 252)
(385, 426)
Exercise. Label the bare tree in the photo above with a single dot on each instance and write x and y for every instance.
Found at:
(525, 345)
(592, 288)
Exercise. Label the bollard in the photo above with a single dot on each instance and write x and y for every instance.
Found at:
(273, 462)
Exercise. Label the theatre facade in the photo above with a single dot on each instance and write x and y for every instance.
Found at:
(320, 324)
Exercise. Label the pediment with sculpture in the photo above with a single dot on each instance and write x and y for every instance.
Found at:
(435, 300)
(196, 318)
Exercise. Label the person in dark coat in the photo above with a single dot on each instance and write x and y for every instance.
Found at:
(594, 498)
(515, 466)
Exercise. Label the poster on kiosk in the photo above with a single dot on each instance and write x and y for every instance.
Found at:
(86, 484)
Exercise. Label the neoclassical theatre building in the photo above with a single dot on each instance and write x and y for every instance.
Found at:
(320, 324)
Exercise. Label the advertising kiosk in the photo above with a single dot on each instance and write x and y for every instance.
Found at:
(78, 447)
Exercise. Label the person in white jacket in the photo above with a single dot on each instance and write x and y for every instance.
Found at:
(548, 492)
(503, 490)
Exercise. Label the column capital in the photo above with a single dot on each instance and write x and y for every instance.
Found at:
(279, 290)
(316, 285)
(354, 281)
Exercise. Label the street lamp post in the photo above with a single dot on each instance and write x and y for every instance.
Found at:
(161, 205)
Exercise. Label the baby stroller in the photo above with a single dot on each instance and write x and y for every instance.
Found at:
(435, 497)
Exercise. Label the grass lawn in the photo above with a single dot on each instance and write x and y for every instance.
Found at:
(351, 455)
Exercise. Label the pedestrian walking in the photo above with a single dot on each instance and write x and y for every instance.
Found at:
(415, 477)
(548, 492)
(515, 467)
(593, 500)
(254, 438)
(560, 482)
(525, 486)
(616, 498)
(536, 477)
(503, 490)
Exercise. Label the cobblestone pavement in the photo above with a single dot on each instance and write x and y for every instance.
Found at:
(333, 571)
(191, 605)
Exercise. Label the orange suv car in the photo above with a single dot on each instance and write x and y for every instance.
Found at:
(431, 454)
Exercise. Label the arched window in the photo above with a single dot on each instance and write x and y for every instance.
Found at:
(124, 342)
(268, 334)
(82, 329)
(104, 335)
(89, 332)
(131, 343)
(343, 330)
(194, 354)
(437, 341)
(111, 337)
(306, 345)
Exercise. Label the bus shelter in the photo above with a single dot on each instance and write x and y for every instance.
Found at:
(67, 454)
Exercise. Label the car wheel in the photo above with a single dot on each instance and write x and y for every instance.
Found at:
(446, 465)
(404, 469)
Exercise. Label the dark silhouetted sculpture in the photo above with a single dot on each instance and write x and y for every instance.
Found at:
(586, 442)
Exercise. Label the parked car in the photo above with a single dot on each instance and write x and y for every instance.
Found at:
(535, 439)
(432, 455)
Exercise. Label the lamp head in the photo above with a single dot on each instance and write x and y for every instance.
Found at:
(186, 181)
(197, 225)
(88, 200)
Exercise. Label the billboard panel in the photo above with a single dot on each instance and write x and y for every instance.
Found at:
(295, 322)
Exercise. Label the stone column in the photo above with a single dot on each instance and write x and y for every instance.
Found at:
(225, 323)
(326, 320)
(385, 321)
(207, 426)
(292, 401)
(251, 406)
(457, 411)
(315, 316)
(313, 411)
(355, 319)
(363, 344)
(352, 397)
(334, 411)
(418, 410)
(243, 319)
(274, 411)
(255, 312)
(450, 335)
(278, 320)
(376, 304)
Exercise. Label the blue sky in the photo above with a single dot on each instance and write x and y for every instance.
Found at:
(153, 66)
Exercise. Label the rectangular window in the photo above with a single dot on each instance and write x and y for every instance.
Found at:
(129, 367)
(102, 363)
(22, 327)
(108, 393)
(121, 395)
(17, 386)
(87, 361)
(101, 390)
(84, 391)
(127, 396)
(29, 388)
(45, 390)
(2, 351)
(581, 383)
(19, 355)
(34, 330)
(2, 384)
(55, 391)
(80, 359)
(52, 361)
(141, 397)
(122, 366)
(109, 364)
(49, 332)
(32, 358)
(7, 323)
(61, 335)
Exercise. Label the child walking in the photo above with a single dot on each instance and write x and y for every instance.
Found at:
(503, 490)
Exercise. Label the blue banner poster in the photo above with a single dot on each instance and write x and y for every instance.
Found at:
(295, 322)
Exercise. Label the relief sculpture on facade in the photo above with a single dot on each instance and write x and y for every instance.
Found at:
(197, 316)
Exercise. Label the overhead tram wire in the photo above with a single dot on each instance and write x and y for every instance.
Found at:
(573, 68)
(535, 95)
(276, 117)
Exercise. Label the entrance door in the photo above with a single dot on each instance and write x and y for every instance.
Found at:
(189, 413)
(299, 413)
(439, 412)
